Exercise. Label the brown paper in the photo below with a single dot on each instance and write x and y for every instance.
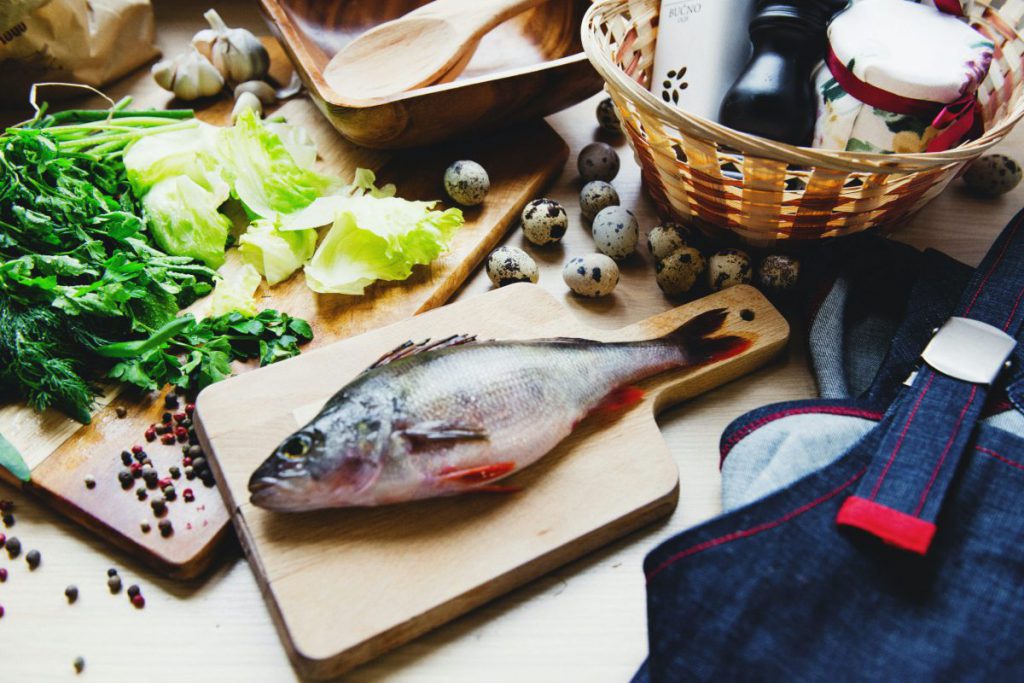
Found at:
(76, 41)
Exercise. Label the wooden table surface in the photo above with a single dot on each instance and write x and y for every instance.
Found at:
(584, 622)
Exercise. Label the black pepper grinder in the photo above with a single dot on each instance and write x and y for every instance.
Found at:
(774, 96)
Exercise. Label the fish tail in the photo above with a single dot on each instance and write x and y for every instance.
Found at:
(693, 338)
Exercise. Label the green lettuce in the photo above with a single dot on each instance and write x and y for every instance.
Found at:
(379, 238)
(236, 293)
(184, 220)
(189, 152)
(275, 253)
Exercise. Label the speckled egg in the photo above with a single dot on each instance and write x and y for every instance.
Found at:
(992, 175)
(663, 239)
(591, 275)
(728, 268)
(544, 221)
(466, 182)
(616, 232)
(606, 118)
(678, 272)
(508, 265)
(598, 161)
(597, 195)
(778, 273)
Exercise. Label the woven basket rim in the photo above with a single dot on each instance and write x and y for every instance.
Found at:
(747, 144)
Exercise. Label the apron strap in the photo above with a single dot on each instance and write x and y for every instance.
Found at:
(928, 428)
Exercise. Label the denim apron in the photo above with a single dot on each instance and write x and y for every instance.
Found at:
(876, 533)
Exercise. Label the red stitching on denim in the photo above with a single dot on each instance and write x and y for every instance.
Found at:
(903, 435)
(745, 533)
(1014, 311)
(945, 451)
(992, 268)
(1001, 458)
(746, 429)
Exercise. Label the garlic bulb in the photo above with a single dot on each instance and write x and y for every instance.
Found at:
(189, 76)
(260, 89)
(245, 101)
(236, 52)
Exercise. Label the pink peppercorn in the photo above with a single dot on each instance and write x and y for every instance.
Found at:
(186, 462)
(150, 434)
(181, 433)
(136, 449)
(139, 601)
(135, 467)
(164, 483)
(167, 439)
(179, 417)
(188, 495)
(3, 539)
(3, 574)
(1, 611)
(190, 408)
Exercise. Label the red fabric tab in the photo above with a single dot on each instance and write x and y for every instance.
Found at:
(892, 526)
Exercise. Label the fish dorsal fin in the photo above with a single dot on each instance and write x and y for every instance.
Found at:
(411, 348)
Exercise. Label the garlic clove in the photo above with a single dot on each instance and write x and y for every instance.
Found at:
(292, 89)
(236, 52)
(203, 42)
(163, 73)
(189, 76)
(244, 102)
(260, 89)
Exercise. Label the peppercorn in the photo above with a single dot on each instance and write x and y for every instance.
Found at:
(111, 572)
(181, 433)
(150, 434)
(167, 439)
(126, 458)
(166, 418)
(125, 477)
(187, 424)
(139, 601)
(136, 470)
(114, 584)
(144, 525)
(3, 540)
(199, 464)
(190, 408)
(175, 472)
(1, 611)
(208, 480)
(163, 429)
(166, 528)
(178, 417)
(169, 492)
(8, 519)
(164, 483)
(79, 664)
(141, 493)
(3, 574)
(90, 482)
(33, 557)
(195, 452)
(193, 438)
(159, 508)
(122, 412)
(188, 495)
(134, 590)
(190, 472)
(13, 547)
(6, 505)
(150, 477)
(136, 449)
(71, 593)
(171, 401)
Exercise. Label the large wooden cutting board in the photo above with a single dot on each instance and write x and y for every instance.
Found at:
(345, 585)
(61, 452)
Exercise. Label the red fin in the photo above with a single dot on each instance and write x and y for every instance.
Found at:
(620, 399)
(498, 488)
(698, 347)
(476, 475)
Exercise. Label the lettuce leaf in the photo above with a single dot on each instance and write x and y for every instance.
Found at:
(275, 253)
(184, 220)
(263, 173)
(379, 238)
(236, 293)
(190, 152)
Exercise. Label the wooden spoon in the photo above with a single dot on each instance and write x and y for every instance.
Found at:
(417, 49)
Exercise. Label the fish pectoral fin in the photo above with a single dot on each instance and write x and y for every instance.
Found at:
(620, 399)
(438, 430)
(477, 475)
(411, 348)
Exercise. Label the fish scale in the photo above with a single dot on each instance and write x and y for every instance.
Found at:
(447, 418)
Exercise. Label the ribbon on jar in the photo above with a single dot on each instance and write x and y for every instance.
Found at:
(954, 7)
(955, 121)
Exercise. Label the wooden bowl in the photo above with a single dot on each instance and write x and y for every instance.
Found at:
(530, 66)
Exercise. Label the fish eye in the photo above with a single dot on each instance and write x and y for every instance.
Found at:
(297, 446)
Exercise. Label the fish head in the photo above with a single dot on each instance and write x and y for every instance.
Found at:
(315, 468)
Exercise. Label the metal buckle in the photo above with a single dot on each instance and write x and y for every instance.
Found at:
(969, 350)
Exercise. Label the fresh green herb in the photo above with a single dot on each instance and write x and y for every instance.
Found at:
(200, 352)
(11, 460)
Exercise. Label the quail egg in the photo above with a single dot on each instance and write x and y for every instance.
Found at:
(678, 272)
(591, 275)
(544, 221)
(992, 175)
(466, 182)
(598, 161)
(778, 273)
(616, 232)
(597, 195)
(728, 268)
(663, 239)
(508, 265)
(606, 118)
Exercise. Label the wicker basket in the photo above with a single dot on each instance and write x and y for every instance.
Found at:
(764, 191)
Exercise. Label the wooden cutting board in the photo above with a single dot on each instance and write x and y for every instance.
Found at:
(61, 452)
(343, 586)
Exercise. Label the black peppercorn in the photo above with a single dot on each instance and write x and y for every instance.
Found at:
(111, 572)
(133, 590)
(141, 493)
(159, 507)
(166, 528)
(13, 547)
(79, 664)
(175, 473)
(199, 463)
(126, 479)
(170, 493)
(33, 557)
(71, 593)
(166, 418)
(122, 412)
(208, 480)
(8, 519)
(114, 584)
(141, 456)
(126, 458)
(190, 473)
(171, 400)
